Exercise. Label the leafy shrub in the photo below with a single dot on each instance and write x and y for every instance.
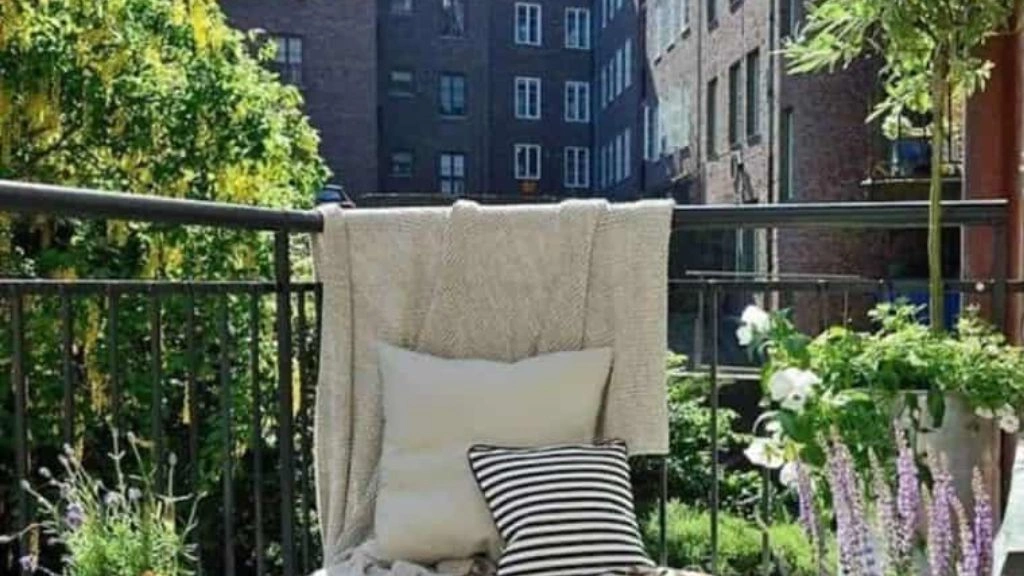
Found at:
(689, 463)
(739, 543)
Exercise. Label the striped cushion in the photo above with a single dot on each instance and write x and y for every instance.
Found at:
(562, 510)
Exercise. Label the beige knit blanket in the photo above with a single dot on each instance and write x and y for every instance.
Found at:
(501, 283)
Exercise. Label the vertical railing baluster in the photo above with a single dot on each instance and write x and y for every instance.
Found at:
(226, 429)
(192, 391)
(156, 386)
(20, 402)
(256, 435)
(112, 360)
(303, 423)
(67, 366)
(715, 299)
(282, 277)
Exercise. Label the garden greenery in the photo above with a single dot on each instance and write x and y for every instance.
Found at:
(131, 528)
(154, 97)
(858, 382)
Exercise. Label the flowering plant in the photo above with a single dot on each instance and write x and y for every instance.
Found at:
(128, 529)
(879, 536)
(858, 382)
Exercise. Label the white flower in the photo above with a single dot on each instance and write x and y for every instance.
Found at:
(753, 321)
(788, 475)
(764, 452)
(985, 413)
(1010, 424)
(791, 387)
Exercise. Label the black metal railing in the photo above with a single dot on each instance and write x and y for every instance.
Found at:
(219, 343)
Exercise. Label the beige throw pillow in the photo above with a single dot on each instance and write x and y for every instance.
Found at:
(428, 506)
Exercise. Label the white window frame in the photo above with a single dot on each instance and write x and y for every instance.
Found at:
(578, 159)
(523, 109)
(532, 33)
(577, 101)
(455, 177)
(686, 119)
(577, 28)
(604, 87)
(527, 174)
(627, 154)
(628, 63)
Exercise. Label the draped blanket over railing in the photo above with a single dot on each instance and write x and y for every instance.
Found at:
(497, 283)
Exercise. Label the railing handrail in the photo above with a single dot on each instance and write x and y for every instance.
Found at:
(24, 197)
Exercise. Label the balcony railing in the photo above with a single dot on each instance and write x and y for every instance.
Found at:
(201, 337)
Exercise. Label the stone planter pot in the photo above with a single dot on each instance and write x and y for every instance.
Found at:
(966, 440)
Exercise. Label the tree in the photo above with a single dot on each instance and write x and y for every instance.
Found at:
(929, 51)
(153, 97)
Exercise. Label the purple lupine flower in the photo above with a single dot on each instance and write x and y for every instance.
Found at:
(982, 524)
(886, 527)
(969, 560)
(805, 496)
(74, 516)
(940, 522)
(908, 496)
(29, 563)
(857, 550)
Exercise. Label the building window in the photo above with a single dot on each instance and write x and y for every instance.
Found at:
(288, 58)
(627, 154)
(577, 101)
(401, 83)
(734, 105)
(746, 250)
(527, 98)
(651, 152)
(604, 87)
(528, 24)
(787, 20)
(401, 7)
(686, 119)
(620, 69)
(627, 57)
(453, 18)
(787, 189)
(577, 167)
(617, 160)
(684, 15)
(577, 28)
(712, 112)
(753, 102)
(453, 94)
(664, 33)
(452, 171)
(608, 164)
(604, 13)
(527, 161)
(712, 12)
(401, 164)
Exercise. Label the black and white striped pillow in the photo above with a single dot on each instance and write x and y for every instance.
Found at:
(562, 510)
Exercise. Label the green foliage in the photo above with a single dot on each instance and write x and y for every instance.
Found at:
(869, 379)
(740, 543)
(152, 97)
(909, 37)
(689, 463)
(128, 529)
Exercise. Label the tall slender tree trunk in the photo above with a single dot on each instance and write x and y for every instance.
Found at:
(940, 92)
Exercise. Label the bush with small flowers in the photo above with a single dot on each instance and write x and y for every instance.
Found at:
(127, 529)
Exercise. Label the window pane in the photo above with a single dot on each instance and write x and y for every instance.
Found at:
(734, 103)
(753, 93)
(454, 18)
(712, 96)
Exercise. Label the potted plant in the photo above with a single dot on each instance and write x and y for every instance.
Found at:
(128, 529)
(948, 390)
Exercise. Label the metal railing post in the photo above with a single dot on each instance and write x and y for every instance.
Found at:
(282, 277)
